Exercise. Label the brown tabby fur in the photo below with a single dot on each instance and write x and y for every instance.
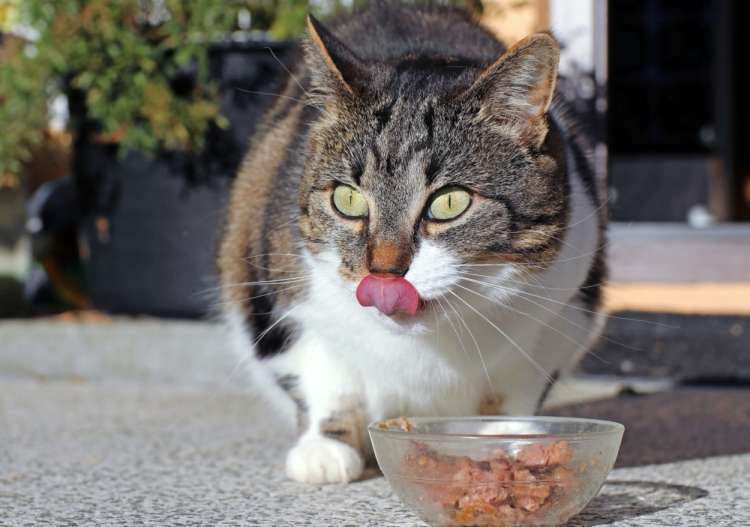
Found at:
(399, 123)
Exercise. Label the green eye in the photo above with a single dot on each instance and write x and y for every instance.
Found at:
(349, 202)
(448, 204)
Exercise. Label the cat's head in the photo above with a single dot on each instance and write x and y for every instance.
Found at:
(419, 169)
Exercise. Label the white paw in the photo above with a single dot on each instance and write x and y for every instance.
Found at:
(323, 460)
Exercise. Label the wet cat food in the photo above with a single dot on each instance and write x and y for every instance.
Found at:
(505, 489)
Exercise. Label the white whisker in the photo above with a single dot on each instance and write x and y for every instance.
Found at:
(528, 315)
(576, 308)
(461, 319)
(523, 294)
(538, 285)
(271, 94)
(290, 280)
(276, 323)
(547, 376)
(293, 77)
(448, 318)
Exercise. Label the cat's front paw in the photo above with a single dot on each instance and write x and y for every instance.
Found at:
(323, 460)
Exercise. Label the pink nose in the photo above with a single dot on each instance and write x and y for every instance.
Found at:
(388, 294)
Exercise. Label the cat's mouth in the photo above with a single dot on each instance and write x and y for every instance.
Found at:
(390, 295)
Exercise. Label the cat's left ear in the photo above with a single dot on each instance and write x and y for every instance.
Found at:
(334, 67)
(516, 90)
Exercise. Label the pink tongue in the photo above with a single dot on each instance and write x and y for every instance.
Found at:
(389, 295)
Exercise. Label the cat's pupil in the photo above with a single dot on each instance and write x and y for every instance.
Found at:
(449, 202)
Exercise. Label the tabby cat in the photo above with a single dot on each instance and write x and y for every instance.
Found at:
(415, 230)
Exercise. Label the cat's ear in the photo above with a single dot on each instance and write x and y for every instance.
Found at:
(333, 65)
(517, 89)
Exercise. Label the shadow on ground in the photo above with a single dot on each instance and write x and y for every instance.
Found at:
(622, 500)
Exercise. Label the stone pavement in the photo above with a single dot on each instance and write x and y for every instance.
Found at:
(86, 445)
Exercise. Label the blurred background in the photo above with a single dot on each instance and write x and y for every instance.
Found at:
(123, 123)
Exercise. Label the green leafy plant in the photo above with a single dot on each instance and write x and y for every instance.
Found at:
(121, 56)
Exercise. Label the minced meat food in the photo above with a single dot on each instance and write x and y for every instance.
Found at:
(502, 490)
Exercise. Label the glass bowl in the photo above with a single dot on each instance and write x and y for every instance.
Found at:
(496, 471)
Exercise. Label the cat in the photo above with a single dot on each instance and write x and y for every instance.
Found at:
(415, 230)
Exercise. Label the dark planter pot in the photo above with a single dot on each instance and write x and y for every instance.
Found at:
(150, 224)
(150, 249)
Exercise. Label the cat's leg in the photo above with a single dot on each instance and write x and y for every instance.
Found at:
(332, 414)
(572, 334)
(558, 340)
(515, 383)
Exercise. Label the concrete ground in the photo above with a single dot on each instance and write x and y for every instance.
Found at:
(148, 423)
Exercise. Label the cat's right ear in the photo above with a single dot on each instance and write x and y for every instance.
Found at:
(334, 67)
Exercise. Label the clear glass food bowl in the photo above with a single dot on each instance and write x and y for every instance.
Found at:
(496, 471)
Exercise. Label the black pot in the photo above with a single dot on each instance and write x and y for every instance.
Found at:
(150, 224)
